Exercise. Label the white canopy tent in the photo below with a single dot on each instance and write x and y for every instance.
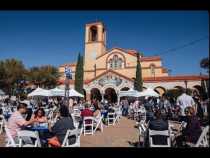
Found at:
(149, 92)
(57, 92)
(129, 93)
(61, 92)
(74, 93)
(40, 92)
(1, 92)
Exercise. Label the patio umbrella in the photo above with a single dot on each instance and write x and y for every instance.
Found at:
(40, 92)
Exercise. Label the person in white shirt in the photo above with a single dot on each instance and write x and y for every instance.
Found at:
(184, 101)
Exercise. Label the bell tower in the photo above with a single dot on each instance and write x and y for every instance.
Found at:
(95, 43)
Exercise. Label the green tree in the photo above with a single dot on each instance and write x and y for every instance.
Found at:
(12, 71)
(44, 76)
(138, 83)
(79, 74)
(204, 63)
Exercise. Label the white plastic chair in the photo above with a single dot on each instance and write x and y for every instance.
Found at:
(203, 140)
(69, 133)
(88, 122)
(29, 135)
(50, 115)
(1, 123)
(9, 139)
(159, 133)
(118, 113)
(98, 122)
(111, 118)
(76, 112)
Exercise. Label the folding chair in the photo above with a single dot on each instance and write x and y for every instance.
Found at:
(29, 134)
(142, 132)
(159, 133)
(70, 133)
(88, 123)
(203, 141)
(111, 118)
(76, 112)
(118, 113)
(97, 122)
(1, 123)
(10, 141)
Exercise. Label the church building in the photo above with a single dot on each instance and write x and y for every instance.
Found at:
(108, 71)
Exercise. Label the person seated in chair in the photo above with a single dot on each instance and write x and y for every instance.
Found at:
(62, 125)
(97, 112)
(85, 113)
(39, 116)
(16, 122)
(193, 129)
(158, 124)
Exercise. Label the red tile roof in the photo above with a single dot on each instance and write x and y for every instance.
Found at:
(133, 53)
(150, 79)
(176, 78)
(68, 64)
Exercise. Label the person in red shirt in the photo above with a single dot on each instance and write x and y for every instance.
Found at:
(85, 113)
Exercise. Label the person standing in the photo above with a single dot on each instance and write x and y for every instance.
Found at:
(125, 107)
(184, 101)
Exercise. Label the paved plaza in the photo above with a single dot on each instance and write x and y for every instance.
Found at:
(118, 135)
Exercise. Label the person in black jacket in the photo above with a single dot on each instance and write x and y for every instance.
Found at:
(63, 124)
(158, 124)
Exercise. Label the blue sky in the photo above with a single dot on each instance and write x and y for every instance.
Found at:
(56, 37)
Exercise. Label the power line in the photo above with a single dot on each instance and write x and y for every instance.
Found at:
(185, 45)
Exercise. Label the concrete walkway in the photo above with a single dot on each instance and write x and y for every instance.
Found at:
(113, 136)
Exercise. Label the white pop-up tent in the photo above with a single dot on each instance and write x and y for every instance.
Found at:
(74, 93)
(2, 92)
(40, 92)
(57, 92)
(149, 92)
(130, 93)
(61, 92)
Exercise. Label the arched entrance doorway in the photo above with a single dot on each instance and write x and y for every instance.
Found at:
(110, 95)
(160, 90)
(95, 94)
(200, 90)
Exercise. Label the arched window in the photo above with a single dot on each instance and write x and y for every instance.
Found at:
(93, 34)
(115, 62)
(120, 63)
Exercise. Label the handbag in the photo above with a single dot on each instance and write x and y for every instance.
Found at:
(54, 142)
